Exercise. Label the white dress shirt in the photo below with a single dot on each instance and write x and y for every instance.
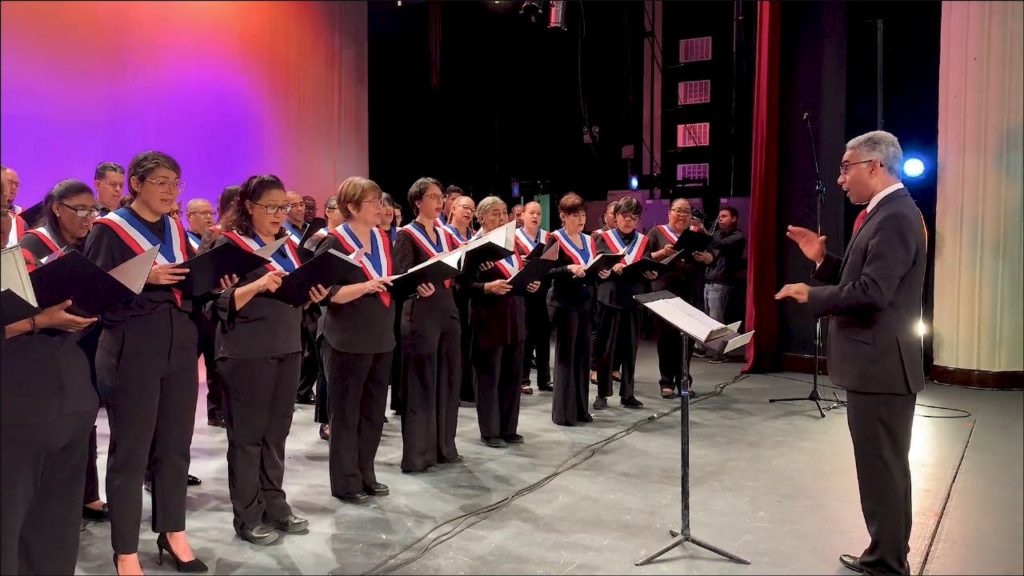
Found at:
(878, 197)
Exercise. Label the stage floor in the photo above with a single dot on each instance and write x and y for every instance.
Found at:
(773, 483)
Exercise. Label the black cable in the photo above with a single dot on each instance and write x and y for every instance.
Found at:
(565, 466)
(960, 413)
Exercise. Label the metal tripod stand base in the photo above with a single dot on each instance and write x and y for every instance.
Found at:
(815, 397)
(681, 539)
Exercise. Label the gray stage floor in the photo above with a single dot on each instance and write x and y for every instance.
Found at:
(770, 482)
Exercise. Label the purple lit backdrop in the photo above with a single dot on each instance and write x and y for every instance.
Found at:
(229, 89)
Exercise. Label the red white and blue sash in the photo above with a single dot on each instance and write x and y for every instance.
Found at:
(581, 256)
(46, 237)
(292, 231)
(17, 229)
(527, 244)
(510, 265)
(445, 242)
(375, 259)
(285, 258)
(456, 236)
(194, 239)
(669, 233)
(139, 238)
(634, 251)
(439, 222)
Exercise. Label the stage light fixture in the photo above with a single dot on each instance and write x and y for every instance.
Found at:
(634, 182)
(556, 14)
(531, 9)
(913, 167)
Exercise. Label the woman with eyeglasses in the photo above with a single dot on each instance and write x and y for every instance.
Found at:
(47, 408)
(69, 211)
(619, 316)
(387, 217)
(359, 337)
(460, 226)
(258, 355)
(569, 301)
(538, 323)
(499, 320)
(146, 366)
(683, 281)
(430, 341)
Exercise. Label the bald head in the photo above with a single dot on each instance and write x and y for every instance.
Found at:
(199, 214)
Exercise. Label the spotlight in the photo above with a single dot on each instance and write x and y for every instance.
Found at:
(531, 9)
(634, 182)
(913, 167)
(556, 14)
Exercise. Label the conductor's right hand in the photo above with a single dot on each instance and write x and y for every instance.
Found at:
(57, 318)
(812, 245)
(270, 281)
(166, 274)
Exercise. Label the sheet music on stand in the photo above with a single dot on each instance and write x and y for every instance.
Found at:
(698, 325)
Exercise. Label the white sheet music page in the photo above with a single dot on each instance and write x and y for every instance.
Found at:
(268, 250)
(14, 275)
(133, 273)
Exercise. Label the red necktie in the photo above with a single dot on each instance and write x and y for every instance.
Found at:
(860, 219)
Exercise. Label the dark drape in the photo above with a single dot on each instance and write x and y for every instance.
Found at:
(762, 276)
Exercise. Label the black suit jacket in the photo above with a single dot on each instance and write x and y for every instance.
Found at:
(875, 301)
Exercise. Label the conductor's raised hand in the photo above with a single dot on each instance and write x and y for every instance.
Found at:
(812, 245)
(425, 290)
(164, 274)
(57, 318)
(270, 281)
(798, 292)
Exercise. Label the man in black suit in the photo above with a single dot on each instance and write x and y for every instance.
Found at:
(874, 350)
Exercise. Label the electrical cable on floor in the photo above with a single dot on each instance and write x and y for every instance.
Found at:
(945, 502)
(480, 513)
(959, 413)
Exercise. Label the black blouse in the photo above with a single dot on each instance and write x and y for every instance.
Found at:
(438, 306)
(263, 328)
(567, 290)
(363, 326)
(617, 291)
(39, 249)
(683, 279)
(496, 320)
(106, 249)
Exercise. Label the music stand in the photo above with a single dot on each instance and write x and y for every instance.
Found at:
(682, 323)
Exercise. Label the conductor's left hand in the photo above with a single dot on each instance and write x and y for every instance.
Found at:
(797, 292)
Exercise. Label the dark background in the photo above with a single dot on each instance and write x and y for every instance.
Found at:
(511, 100)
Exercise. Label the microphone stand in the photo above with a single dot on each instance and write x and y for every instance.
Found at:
(819, 191)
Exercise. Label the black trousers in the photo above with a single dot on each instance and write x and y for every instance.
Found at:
(432, 373)
(260, 403)
(310, 363)
(92, 476)
(618, 337)
(498, 388)
(322, 408)
(538, 341)
(880, 426)
(147, 374)
(396, 364)
(467, 385)
(358, 388)
(42, 474)
(671, 354)
(572, 365)
(214, 381)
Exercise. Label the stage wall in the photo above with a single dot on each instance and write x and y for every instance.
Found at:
(229, 89)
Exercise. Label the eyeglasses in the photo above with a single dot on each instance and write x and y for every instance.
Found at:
(431, 196)
(844, 169)
(379, 202)
(275, 209)
(209, 213)
(167, 185)
(630, 217)
(174, 213)
(681, 211)
(582, 215)
(82, 212)
(115, 185)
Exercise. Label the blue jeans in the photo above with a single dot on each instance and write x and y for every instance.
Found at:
(716, 300)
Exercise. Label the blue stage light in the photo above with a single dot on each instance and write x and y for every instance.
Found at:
(634, 182)
(913, 167)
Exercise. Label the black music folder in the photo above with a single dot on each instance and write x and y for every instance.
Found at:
(490, 247)
(603, 262)
(14, 308)
(637, 269)
(91, 290)
(17, 298)
(434, 271)
(306, 253)
(32, 215)
(690, 242)
(327, 268)
(534, 269)
(206, 269)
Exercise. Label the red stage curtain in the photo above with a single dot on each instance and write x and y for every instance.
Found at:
(762, 270)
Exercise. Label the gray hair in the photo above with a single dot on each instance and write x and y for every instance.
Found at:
(193, 204)
(331, 203)
(486, 205)
(881, 146)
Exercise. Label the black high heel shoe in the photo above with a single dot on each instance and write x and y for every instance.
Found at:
(191, 567)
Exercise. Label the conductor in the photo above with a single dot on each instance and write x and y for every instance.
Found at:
(874, 352)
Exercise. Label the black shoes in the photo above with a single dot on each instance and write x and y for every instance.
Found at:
(514, 439)
(601, 403)
(193, 566)
(148, 483)
(354, 497)
(494, 442)
(632, 402)
(378, 489)
(308, 400)
(455, 460)
(852, 562)
(586, 418)
(216, 422)
(545, 387)
(98, 515)
(324, 434)
(193, 481)
(260, 535)
(290, 524)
